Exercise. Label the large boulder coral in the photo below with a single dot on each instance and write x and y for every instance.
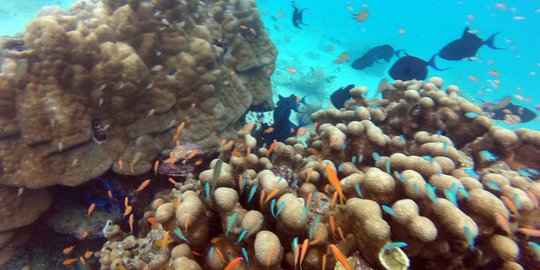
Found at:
(108, 82)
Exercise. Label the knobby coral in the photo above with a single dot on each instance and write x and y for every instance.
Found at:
(107, 82)
(364, 189)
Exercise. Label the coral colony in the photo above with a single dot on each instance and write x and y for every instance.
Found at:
(159, 88)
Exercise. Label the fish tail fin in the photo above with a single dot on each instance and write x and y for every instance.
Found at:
(397, 53)
(433, 65)
(490, 42)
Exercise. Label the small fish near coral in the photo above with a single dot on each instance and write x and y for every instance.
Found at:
(298, 16)
(467, 46)
(341, 95)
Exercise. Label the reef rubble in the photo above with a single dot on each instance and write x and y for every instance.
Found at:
(409, 182)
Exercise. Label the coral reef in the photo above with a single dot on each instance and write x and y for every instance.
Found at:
(407, 181)
(106, 83)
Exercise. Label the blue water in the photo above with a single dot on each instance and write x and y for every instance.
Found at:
(426, 26)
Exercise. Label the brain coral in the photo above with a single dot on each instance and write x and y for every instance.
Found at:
(108, 82)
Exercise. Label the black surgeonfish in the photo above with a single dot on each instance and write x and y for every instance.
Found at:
(467, 46)
(411, 68)
(297, 17)
(341, 95)
(384, 52)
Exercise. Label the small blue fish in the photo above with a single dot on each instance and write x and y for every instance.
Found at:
(431, 193)
(428, 158)
(241, 237)
(244, 182)
(317, 220)
(376, 156)
(464, 192)
(252, 192)
(416, 187)
(314, 198)
(280, 207)
(217, 173)
(517, 201)
(180, 235)
(387, 163)
(360, 157)
(230, 223)
(340, 167)
(304, 212)
(344, 146)
(310, 233)
(469, 236)
(401, 138)
(244, 252)
(471, 115)
(524, 172)
(451, 196)
(445, 147)
(493, 185)
(389, 210)
(207, 190)
(536, 249)
(358, 191)
(296, 181)
(353, 159)
(395, 245)
(533, 171)
(321, 204)
(211, 252)
(439, 133)
(470, 171)
(400, 177)
(487, 155)
(294, 243)
(272, 207)
(454, 187)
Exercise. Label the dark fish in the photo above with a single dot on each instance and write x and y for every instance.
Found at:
(282, 127)
(467, 46)
(341, 95)
(384, 52)
(297, 17)
(411, 67)
(525, 114)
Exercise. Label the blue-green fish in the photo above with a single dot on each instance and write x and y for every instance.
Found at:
(400, 177)
(244, 252)
(230, 223)
(471, 115)
(471, 172)
(445, 146)
(180, 234)
(464, 192)
(469, 236)
(493, 185)
(487, 155)
(272, 207)
(217, 172)
(387, 163)
(395, 245)
(535, 249)
(389, 210)
(517, 201)
(376, 156)
(451, 196)
(358, 191)
(280, 207)
(241, 236)
(252, 192)
(431, 193)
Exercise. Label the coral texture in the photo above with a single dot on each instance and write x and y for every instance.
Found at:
(363, 189)
(108, 82)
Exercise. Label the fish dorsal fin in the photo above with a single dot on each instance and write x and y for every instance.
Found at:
(465, 32)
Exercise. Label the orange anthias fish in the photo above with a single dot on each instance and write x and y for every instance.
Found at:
(143, 185)
(361, 16)
(342, 58)
(91, 209)
(340, 257)
(236, 261)
(332, 178)
(69, 261)
(68, 249)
